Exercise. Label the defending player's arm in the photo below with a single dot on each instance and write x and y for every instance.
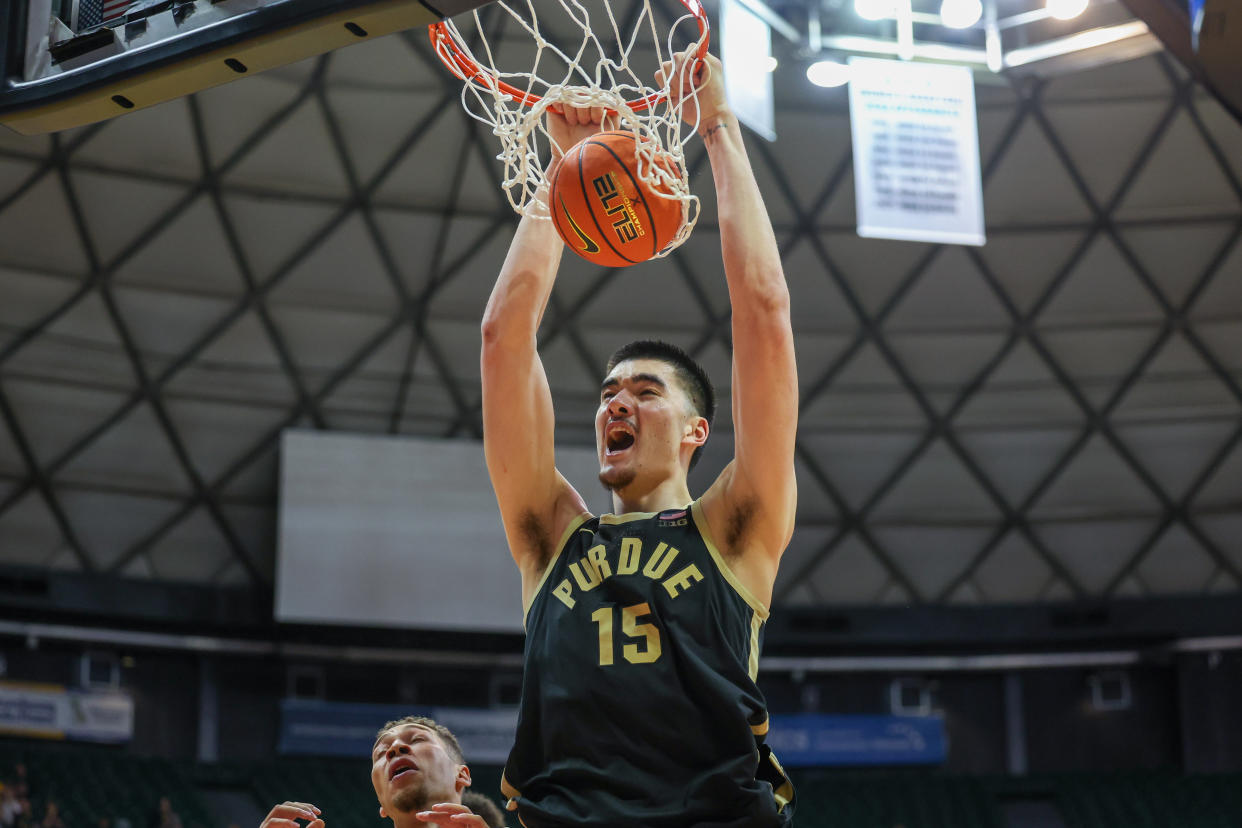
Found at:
(754, 500)
(536, 502)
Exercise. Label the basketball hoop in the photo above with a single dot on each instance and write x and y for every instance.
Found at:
(612, 70)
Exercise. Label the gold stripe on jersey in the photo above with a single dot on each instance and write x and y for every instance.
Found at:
(760, 729)
(614, 520)
(547, 570)
(507, 789)
(700, 521)
(752, 664)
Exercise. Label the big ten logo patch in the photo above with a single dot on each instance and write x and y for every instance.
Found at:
(619, 208)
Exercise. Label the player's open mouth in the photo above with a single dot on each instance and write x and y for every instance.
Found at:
(401, 768)
(617, 439)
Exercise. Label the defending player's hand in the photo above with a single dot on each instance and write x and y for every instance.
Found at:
(286, 815)
(697, 86)
(450, 813)
(567, 125)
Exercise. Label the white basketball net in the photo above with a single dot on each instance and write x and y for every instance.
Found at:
(600, 71)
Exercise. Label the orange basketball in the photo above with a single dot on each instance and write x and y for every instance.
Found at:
(604, 212)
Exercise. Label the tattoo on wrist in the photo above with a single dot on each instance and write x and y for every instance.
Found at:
(712, 130)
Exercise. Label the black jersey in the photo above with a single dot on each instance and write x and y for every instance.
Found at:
(639, 704)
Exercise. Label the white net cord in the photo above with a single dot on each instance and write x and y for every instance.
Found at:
(593, 75)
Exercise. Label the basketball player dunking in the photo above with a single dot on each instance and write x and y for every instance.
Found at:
(639, 703)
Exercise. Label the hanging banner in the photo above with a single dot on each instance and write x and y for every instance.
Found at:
(745, 54)
(819, 740)
(916, 152)
(51, 711)
(342, 729)
(801, 740)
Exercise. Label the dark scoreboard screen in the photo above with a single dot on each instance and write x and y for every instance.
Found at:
(73, 62)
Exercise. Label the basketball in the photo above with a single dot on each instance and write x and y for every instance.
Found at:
(603, 211)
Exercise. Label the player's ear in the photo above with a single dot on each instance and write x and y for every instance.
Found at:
(463, 778)
(697, 430)
(383, 813)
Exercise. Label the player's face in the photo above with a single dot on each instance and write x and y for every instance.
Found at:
(411, 770)
(644, 416)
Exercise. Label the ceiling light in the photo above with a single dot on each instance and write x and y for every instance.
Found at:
(960, 14)
(875, 9)
(828, 73)
(768, 64)
(1066, 9)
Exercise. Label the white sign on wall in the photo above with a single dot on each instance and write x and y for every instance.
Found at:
(746, 48)
(916, 152)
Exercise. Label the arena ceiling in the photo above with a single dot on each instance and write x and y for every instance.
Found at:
(1056, 415)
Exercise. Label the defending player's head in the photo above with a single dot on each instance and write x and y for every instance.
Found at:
(416, 763)
(655, 414)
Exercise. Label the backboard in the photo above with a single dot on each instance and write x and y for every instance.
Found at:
(72, 62)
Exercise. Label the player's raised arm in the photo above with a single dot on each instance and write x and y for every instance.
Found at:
(758, 490)
(536, 503)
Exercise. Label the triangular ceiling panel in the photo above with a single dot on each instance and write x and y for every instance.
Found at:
(32, 145)
(121, 211)
(135, 453)
(804, 549)
(411, 239)
(1097, 359)
(216, 435)
(297, 157)
(1030, 186)
(15, 173)
(1142, 77)
(1178, 384)
(1222, 487)
(966, 593)
(1177, 563)
(856, 463)
(345, 271)
(1101, 285)
(816, 303)
(29, 535)
(81, 346)
(371, 390)
(163, 324)
(822, 142)
(1177, 257)
(849, 574)
(53, 416)
(321, 341)
(813, 501)
(866, 391)
(275, 232)
(416, 181)
(191, 254)
(1025, 263)
(1020, 392)
(1181, 178)
(374, 130)
(124, 143)
(1103, 156)
(239, 363)
(937, 487)
(1224, 530)
(657, 292)
(931, 556)
(468, 268)
(873, 269)
(236, 114)
(1016, 461)
(37, 230)
(257, 478)
(1223, 127)
(255, 528)
(192, 551)
(29, 297)
(1096, 482)
(950, 296)
(1224, 291)
(1013, 572)
(110, 524)
(1094, 552)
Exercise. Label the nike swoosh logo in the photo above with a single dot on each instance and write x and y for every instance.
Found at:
(588, 244)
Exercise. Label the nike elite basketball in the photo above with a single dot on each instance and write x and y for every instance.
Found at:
(604, 212)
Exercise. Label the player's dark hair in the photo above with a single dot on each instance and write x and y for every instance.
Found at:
(446, 736)
(484, 806)
(694, 380)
